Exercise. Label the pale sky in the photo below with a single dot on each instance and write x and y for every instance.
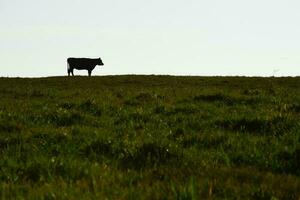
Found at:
(176, 37)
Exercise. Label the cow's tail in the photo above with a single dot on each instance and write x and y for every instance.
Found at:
(68, 68)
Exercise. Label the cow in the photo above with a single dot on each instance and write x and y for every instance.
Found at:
(83, 63)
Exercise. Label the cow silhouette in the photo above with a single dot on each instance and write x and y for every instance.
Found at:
(83, 63)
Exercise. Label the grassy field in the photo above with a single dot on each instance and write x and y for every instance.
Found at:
(150, 137)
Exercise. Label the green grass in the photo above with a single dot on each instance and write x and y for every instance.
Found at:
(150, 137)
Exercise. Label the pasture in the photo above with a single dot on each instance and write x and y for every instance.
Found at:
(149, 137)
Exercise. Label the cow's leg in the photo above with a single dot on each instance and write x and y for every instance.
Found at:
(68, 68)
(90, 72)
(72, 71)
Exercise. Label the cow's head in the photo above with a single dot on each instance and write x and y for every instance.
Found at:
(99, 61)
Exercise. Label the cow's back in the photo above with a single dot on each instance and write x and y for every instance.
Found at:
(81, 63)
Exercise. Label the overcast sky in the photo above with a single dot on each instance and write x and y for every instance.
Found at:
(177, 37)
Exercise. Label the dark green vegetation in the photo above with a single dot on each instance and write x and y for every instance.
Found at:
(150, 137)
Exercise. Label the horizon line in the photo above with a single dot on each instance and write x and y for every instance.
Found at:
(177, 75)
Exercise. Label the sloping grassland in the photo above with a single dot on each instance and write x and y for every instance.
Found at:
(150, 137)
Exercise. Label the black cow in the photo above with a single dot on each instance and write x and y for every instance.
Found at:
(83, 63)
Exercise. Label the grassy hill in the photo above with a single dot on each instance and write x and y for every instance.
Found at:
(150, 137)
